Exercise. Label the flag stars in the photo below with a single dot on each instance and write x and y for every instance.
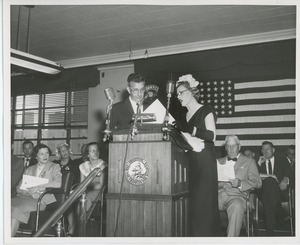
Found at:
(202, 101)
(216, 101)
(208, 101)
(229, 88)
(202, 89)
(201, 83)
(208, 83)
(222, 112)
(208, 89)
(215, 82)
(222, 88)
(222, 100)
(229, 82)
(229, 106)
(222, 94)
(229, 100)
(222, 82)
(216, 107)
(222, 106)
(229, 94)
(215, 89)
(209, 95)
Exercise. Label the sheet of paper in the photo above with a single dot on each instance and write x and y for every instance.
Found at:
(31, 181)
(196, 143)
(225, 171)
(160, 112)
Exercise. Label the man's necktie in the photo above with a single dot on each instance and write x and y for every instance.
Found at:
(232, 159)
(270, 167)
(26, 162)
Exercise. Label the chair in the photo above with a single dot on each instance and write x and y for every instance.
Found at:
(248, 223)
(288, 209)
(37, 218)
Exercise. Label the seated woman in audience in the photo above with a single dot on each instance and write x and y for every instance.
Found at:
(92, 152)
(26, 200)
(63, 155)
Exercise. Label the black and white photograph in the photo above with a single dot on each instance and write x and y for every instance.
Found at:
(149, 122)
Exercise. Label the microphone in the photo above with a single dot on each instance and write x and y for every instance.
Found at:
(170, 88)
(109, 93)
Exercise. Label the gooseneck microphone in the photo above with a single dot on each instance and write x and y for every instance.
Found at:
(169, 90)
(110, 95)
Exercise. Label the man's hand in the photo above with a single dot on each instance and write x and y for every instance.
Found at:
(284, 183)
(235, 182)
(261, 160)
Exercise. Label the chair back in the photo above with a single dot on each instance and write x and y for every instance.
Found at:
(66, 185)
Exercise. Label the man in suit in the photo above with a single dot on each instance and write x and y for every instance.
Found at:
(27, 147)
(122, 112)
(232, 194)
(276, 175)
(290, 155)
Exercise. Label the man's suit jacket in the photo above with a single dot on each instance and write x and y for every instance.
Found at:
(246, 170)
(31, 162)
(281, 168)
(52, 172)
(17, 169)
(121, 114)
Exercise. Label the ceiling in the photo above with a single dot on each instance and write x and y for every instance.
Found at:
(66, 33)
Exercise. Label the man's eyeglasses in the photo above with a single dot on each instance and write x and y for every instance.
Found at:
(181, 92)
(136, 90)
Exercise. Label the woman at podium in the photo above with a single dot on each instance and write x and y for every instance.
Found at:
(199, 123)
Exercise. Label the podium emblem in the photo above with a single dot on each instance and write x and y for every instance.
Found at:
(137, 171)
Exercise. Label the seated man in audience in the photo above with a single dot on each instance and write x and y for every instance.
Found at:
(27, 148)
(276, 175)
(233, 193)
(290, 155)
(17, 169)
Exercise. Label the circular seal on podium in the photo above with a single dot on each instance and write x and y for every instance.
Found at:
(137, 171)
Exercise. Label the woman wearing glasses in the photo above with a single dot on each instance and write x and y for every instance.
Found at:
(200, 122)
(122, 112)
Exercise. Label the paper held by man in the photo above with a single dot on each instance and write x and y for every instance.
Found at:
(31, 181)
(264, 176)
(225, 171)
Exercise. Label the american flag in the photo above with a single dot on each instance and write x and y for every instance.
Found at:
(254, 111)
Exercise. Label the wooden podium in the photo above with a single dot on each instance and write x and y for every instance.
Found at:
(154, 200)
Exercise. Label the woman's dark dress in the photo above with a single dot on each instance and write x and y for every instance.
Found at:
(203, 183)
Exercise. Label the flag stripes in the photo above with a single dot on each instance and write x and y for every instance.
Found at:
(262, 110)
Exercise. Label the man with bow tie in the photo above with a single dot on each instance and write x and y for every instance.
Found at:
(277, 176)
(232, 194)
(27, 147)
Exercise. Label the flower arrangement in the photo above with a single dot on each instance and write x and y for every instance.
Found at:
(188, 78)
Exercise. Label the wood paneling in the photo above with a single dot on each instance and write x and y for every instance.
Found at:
(157, 208)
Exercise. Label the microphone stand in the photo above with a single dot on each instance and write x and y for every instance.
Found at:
(166, 126)
(134, 130)
(107, 131)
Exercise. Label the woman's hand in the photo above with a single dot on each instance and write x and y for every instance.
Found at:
(32, 190)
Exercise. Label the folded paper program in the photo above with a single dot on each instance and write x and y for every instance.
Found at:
(31, 181)
(225, 171)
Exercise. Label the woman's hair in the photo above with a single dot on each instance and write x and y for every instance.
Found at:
(37, 148)
(85, 155)
(195, 91)
(57, 154)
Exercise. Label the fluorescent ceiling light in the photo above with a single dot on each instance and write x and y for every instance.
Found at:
(33, 62)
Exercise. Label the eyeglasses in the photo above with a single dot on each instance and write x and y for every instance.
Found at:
(181, 92)
(136, 90)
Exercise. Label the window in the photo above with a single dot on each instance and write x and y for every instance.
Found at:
(51, 119)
